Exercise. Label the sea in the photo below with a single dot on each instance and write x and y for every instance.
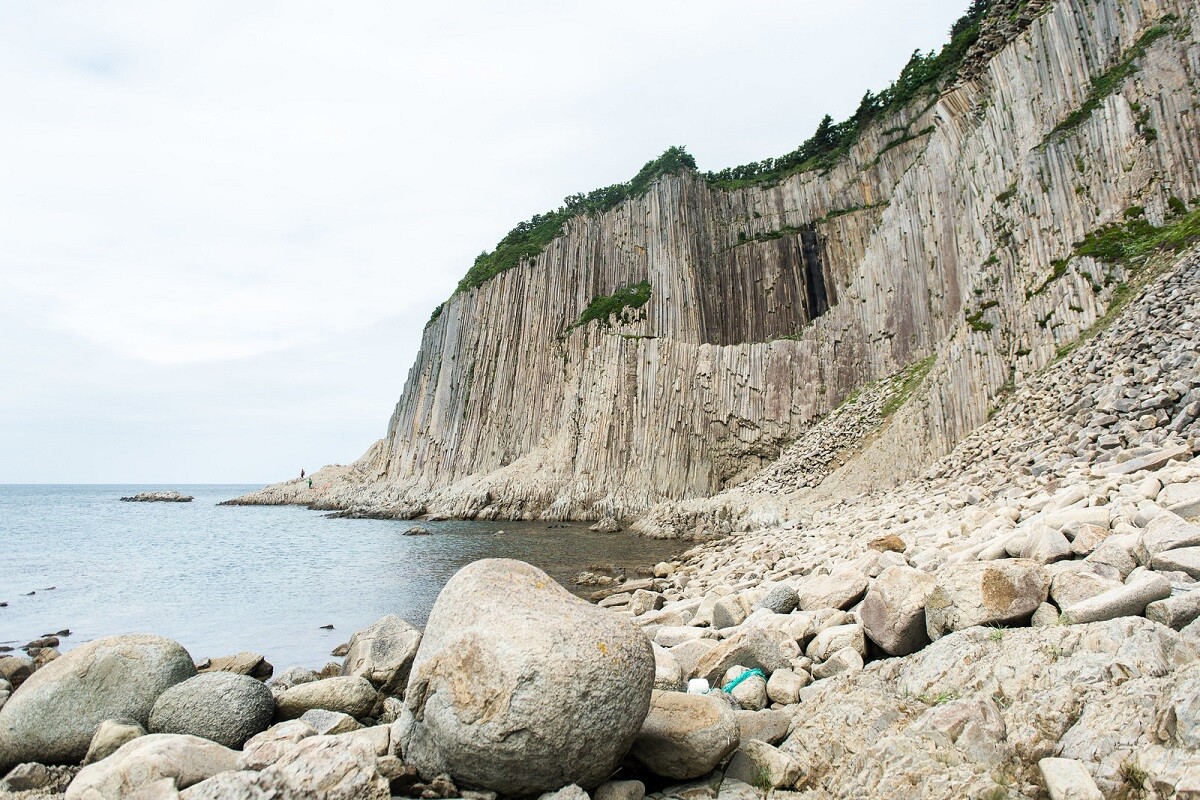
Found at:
(223, 579)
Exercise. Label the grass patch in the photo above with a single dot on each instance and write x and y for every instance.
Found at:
(1109, 82)
(909, 380)
(603, 308)
(977, 323)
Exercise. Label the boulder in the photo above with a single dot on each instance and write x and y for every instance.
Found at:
(845, 660)
(185, 759)
(667, 674)
(293, 676)
(15, 669)
(520, 687)
(1045, 545)
(840, 589)
(571, 792)
(1072, 586)
(332, 768)
(1185, 559)
(690, 653)
(54, 715)
(785, 685)
(330, 722)
(782, 600)
(685, 735)
(893, 612)
(110, 736)
(729, 612)
(1175, 612)
(1126, 600)
(244, 663)
(747, 648)
(750, 692)
(1165, 532)
(759, 764)
(223, 707)
(1068, 779)
(769, 725)
(984, 593)
(266, 748)
(620, 790)
(383, 653)
(348, 694)
(830, 640)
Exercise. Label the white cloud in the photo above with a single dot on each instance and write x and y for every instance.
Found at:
(200, 184)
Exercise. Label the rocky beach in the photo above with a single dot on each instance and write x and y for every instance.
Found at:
(921, 400)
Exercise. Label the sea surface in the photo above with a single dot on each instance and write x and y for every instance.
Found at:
(222, 579)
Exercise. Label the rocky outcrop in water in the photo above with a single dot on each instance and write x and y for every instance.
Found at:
(159, 497)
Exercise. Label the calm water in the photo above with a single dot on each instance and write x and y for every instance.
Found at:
(224, 579)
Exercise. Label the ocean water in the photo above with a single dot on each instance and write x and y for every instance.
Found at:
(221, 579)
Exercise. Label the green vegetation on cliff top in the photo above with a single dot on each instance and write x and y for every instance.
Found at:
(924, 75)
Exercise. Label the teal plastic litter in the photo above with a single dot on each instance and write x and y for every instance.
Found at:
(729, 687)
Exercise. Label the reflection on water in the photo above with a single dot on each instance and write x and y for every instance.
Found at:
(220, 579)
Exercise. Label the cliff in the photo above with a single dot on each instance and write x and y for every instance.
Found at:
(945, 237)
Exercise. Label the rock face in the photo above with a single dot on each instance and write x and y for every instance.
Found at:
(220, 706)
(519, 687)
(916, 241)
(56, 711)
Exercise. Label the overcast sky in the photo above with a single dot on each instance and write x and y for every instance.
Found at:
(223, 225)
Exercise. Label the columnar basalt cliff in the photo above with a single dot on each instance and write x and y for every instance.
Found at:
(945, 237)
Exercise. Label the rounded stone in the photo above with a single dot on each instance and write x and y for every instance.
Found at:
(351, 695)
(520, 687)
(54, 714)
(223, 707)
(686, 735)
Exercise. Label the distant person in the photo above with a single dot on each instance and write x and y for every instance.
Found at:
(310, 483)
(302, 473)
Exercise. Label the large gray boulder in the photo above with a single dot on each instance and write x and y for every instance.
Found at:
(686, 735)
(52, 717)
(752, 648)
(223, 707)
(520, 687)
(185, 759)
(985, 593)
(383, 653)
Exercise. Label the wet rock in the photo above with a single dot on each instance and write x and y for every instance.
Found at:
(158, 497)
(223, 707)
(606, 525)
(56, 712)
(520, 687)
(685, 735)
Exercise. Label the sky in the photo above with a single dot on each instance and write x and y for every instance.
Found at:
(223, 225)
